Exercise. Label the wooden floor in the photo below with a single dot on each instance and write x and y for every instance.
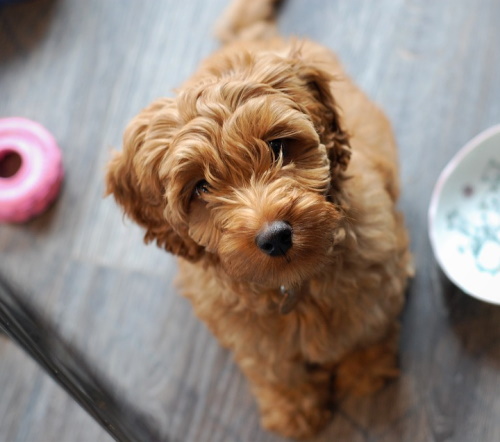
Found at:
(84, 68)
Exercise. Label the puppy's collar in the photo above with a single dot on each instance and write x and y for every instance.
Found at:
(289, 299)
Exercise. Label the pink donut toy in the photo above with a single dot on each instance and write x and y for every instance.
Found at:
(31, 169)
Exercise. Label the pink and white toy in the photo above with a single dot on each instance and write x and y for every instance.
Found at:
(31, 169)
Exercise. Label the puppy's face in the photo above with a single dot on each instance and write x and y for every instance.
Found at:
(242, 168)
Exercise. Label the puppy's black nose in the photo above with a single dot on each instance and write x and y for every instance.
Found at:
(275, 239)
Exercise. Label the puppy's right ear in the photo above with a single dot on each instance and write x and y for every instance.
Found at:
(133, 177)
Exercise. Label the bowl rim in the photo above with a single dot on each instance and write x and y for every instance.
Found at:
(436, 197)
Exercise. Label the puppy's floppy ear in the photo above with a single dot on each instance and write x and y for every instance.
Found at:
(325, 113)
(133, 177)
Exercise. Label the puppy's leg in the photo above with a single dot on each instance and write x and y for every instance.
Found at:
(294, 399)
(365, 371)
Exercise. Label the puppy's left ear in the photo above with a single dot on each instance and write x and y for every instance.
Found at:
(325, 114)
(133, 178)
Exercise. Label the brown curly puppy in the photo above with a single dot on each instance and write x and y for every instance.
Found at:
(274, 179)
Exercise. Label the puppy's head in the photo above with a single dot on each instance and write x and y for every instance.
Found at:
(243, 167)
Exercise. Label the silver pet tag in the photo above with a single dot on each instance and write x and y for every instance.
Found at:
(288, 301)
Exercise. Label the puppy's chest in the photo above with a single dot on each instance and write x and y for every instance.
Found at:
(298, 322)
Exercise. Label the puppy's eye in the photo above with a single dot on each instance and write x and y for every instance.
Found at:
(279, 145)
(201, 188)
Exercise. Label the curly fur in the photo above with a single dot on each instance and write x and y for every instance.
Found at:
(336, 186)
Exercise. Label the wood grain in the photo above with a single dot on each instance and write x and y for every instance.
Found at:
(84, 68)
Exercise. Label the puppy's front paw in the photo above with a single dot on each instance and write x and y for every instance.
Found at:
(367, 371)
(296, 423)
(296, 414)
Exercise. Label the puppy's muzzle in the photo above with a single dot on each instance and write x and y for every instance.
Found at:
(275, 239)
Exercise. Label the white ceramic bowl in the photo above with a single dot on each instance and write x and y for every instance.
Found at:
(464, 217)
